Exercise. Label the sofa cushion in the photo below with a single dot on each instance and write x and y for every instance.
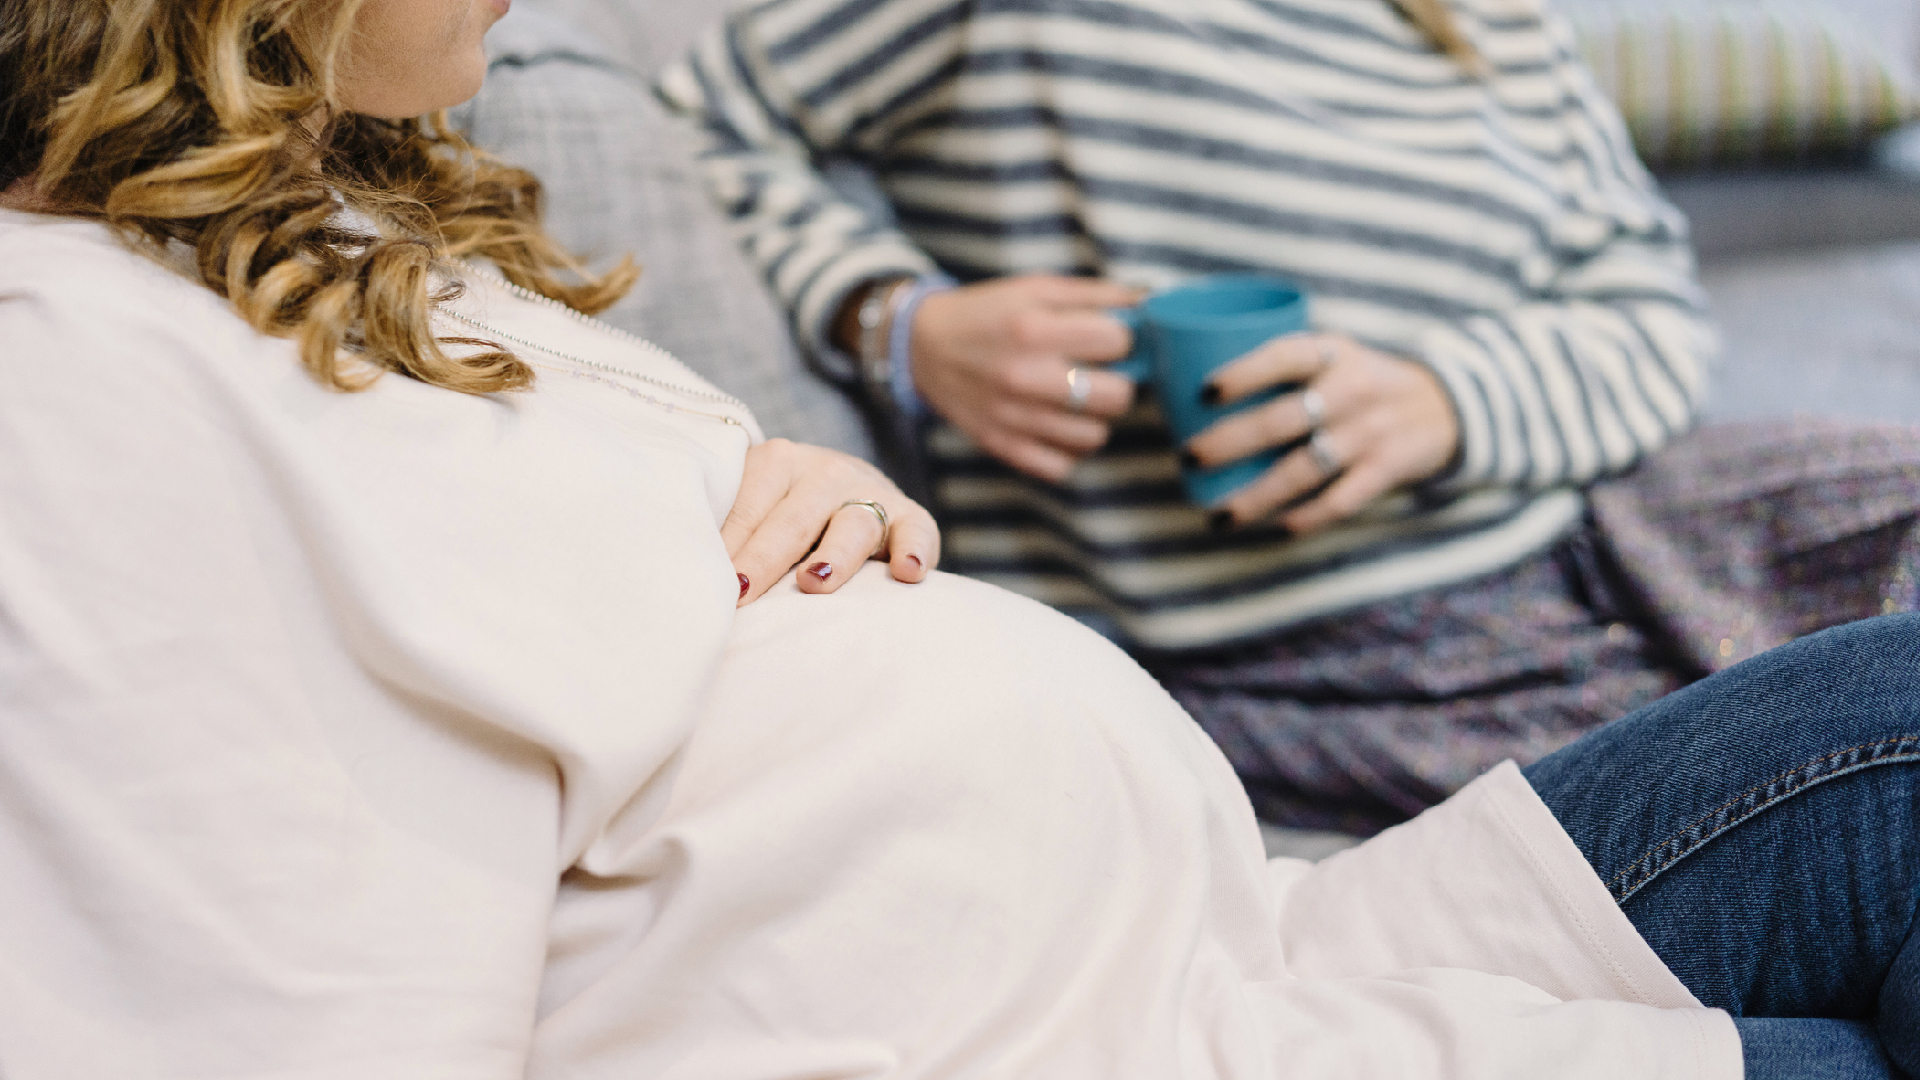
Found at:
(1733, 82)
(619, 179)
(1826, 333)
(645, 34)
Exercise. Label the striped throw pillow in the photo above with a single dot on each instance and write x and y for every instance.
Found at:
(1709, 83)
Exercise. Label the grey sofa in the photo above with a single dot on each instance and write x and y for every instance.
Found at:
(568, 97)
(1821, 313)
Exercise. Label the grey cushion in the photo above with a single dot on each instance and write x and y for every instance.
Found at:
(644, 34)
(619, 179)
(1834, 332)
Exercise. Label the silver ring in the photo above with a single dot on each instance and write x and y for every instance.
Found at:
(1315, 407)
(1329, 352)
(1321, 451)
(1079, 389)
(878, 511)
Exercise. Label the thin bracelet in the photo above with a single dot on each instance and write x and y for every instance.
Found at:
(906, 397)
(875, 317)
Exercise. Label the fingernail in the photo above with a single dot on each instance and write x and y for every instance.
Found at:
(1189, 459)
(1220, 521)
(821, 570)
(917, 564)
(1210, 395)
(744, 585)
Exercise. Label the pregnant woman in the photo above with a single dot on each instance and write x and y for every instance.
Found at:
(402, 675)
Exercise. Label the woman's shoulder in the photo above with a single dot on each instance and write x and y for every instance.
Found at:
(101, 334)
(83, 267)
(75, 292)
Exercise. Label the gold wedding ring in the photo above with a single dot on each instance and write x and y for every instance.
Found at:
(879, 512)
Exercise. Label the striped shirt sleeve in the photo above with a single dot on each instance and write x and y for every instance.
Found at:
(760, 138)
(1583, 385)
(1611, 361)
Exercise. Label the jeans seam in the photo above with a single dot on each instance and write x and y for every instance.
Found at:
(1690, 838)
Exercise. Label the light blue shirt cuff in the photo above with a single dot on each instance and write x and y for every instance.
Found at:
(900, 342)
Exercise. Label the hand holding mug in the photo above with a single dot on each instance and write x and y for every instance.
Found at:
(1015, 363)
(1383, 422)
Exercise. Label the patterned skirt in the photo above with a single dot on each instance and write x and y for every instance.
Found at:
(1730, 542)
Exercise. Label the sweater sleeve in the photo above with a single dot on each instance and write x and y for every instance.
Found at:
(178, 761)
(1609, 359)
(777, 90)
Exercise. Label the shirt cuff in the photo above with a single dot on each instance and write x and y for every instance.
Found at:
(900, 342)
(816, 304)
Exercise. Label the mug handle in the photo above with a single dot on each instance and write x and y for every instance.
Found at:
(1138, 365)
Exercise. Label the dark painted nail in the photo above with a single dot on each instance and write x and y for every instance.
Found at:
(1210, 395)
(1189, 459)
(1220, 521)
(821, 570)
(744, 585)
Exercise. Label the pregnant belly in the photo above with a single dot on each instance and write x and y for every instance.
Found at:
(932, 830)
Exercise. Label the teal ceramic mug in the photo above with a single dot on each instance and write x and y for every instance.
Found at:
(1181, 336)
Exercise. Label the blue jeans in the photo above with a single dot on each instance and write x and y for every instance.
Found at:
(1762, 830)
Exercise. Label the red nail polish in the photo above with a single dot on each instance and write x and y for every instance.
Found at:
(821, 570)
(744, 585)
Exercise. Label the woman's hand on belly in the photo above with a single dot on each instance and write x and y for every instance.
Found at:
(998, 360)
(793, 508)
(1384, 421)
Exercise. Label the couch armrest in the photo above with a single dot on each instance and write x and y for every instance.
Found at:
(1759, 212)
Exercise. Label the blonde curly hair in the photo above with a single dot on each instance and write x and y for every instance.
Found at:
(215, 124)
(1442, 27)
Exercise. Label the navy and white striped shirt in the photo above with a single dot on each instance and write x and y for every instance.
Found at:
(1498, 229)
